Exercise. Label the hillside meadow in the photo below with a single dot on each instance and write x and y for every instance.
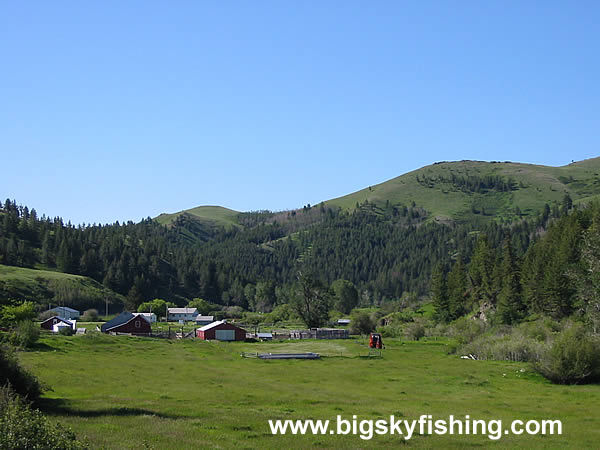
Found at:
(123, 392)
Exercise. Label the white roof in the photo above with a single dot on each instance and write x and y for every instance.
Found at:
(211, 325)
(183, 310)
(211, 318)
(144, 314)
(264, 335)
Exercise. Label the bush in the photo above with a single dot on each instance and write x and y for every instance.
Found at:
(465, 330)
(66, 331)
(414, 330)
(90, 315)
(26, 334)
(361, 323)
(573, 358)
(11, 373)
(504, 347)
(22, 427)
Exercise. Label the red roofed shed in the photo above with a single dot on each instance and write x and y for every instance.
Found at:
(221, 331)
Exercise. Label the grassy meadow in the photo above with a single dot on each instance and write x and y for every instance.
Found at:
(122, 392)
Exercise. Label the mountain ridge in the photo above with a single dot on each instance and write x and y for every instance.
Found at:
(454, 191)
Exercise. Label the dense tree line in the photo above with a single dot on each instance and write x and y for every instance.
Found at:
(556, 275)
(385, 250)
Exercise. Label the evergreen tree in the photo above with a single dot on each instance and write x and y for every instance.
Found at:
(439, 295)
(457, 289)
(511, 307)
(481, 271)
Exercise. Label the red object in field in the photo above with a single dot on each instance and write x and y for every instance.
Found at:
(375, 341)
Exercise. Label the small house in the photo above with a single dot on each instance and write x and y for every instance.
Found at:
(221, 331)
(151, 317)
(127, 322)
(264, 336)
(182, 314)
(204, 320)
(66, 312)
(343, 322)
(55, 323)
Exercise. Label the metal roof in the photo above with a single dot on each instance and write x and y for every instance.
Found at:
(264, 335)
(183, 310)
(65, 308)
(62, 319)
(212, 325)
(211, 318)
(121, 319)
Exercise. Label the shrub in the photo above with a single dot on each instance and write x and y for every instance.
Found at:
(26, 334)
(66, 331)
(361, 323)
(90, 315)
(465, 330)
(573, 358)
(503, 346)
(22, 427)
(10, 315)
(414, 330)
(22, 382)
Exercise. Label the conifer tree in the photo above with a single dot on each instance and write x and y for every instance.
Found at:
(457, 289)
(439, 294)
(511, 308)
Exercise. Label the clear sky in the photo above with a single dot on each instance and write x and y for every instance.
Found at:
(119, 110)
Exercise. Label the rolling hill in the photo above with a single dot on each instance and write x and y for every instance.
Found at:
(460, 191)
(209, 215)
(443, 189)
(45, 286)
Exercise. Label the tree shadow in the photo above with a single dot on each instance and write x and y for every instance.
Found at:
(43, 347)
(60, 407)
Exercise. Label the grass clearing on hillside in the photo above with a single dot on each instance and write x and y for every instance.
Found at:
(46, 286)
(122, 392)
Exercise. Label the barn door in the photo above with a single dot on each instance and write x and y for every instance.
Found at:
(225, 335)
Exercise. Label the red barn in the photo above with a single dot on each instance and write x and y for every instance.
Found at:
(127, 323)
(221, 331)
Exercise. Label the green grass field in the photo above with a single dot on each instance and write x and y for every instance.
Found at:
(121, 392)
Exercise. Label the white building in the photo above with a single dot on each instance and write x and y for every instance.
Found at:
(204, 320)
(185, 314)
(66, 313)
(150, 317)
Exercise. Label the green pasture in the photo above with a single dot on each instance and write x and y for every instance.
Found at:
(124, 392)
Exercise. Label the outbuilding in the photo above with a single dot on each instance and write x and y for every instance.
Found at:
(66, 312)
(57, 322)
(127, 322)
(221, 331)
(204, 320)
(151, 317)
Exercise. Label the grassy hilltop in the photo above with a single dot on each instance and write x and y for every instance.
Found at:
(432, 188)
(533, 186)
(209, 215)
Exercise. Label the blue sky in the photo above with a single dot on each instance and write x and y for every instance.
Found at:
(123, 110)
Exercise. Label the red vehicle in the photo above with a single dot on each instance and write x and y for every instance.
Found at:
(375, 341)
